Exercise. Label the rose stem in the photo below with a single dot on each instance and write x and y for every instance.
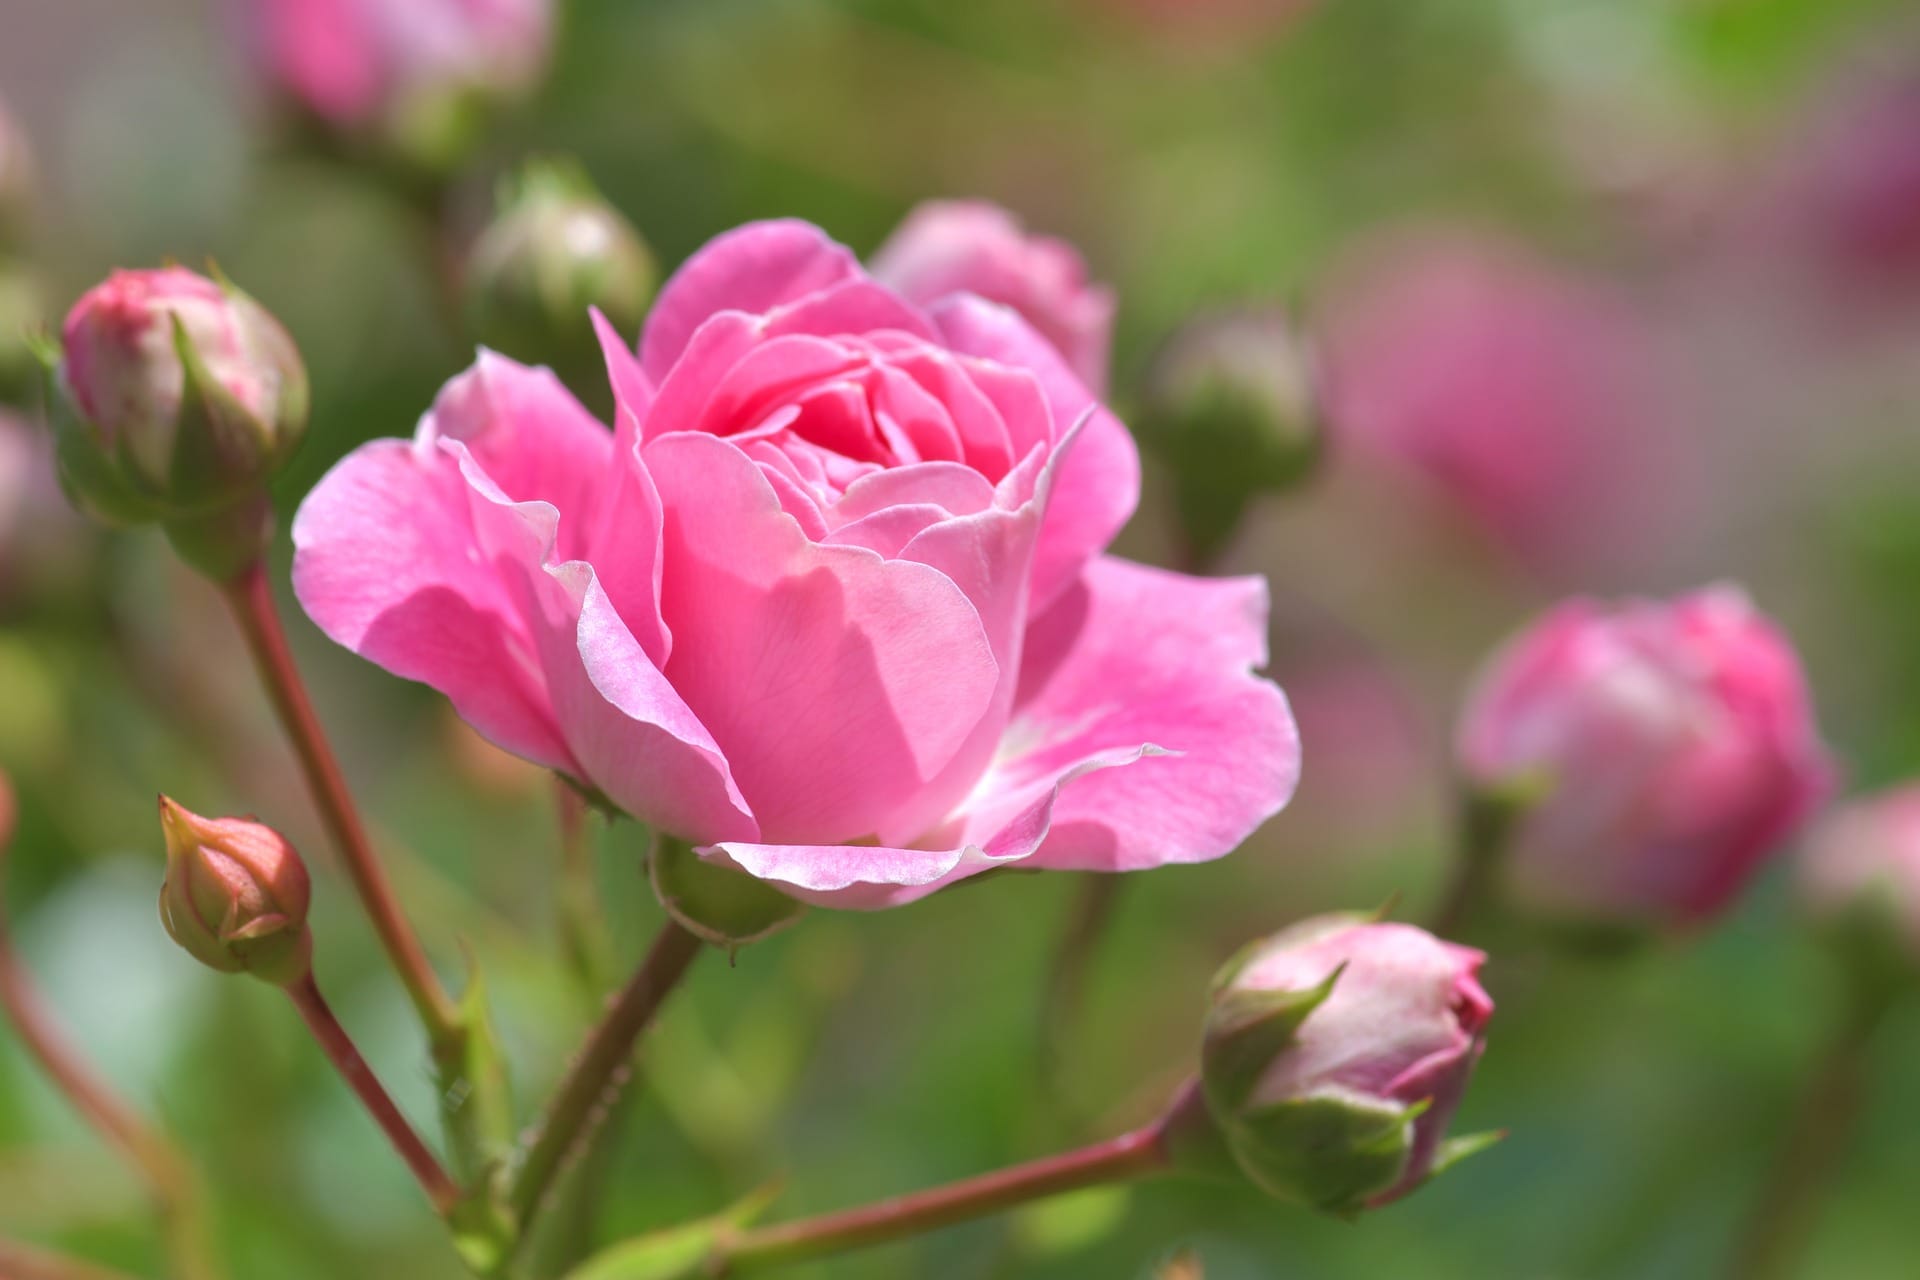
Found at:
(251, 598)
(1802, 1171)
(598, 1073)
(170, 1179)
(346, 1059)
(1132, 1155)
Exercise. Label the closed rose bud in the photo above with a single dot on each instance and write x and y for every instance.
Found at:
(414, 77)
(1336, 1054)
(1665, 750)
(235, 895)
(556, 248)
(1230, 404)
(949, 247)
(1859, 879)
(175, 398)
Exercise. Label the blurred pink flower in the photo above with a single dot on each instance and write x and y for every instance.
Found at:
(1674, 745)
(946, 247)
(1864, 857)
(1519, 393)
(1850, 202)
(831, 602)
(352, 61)
(1395, 1039)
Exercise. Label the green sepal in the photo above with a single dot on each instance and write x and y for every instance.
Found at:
(1330, 1151)
(1247, 1030)
(724, 907)
(219, 451)
(1452, 1151)
(88, 475)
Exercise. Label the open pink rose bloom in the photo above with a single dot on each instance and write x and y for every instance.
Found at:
(830, 602)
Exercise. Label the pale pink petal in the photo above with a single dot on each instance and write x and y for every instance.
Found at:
(1131, 657)
(853, 306)
(1099, 486)
(383, 564)
(633, 735)
(754, 269)
(632, 389)
(837, 683)
(625, 549)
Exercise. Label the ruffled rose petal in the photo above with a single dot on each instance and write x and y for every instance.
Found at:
(1099, 488)
(1133, 656)
(837, 683)
(754, 269)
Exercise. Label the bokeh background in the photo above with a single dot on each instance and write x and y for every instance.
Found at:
(1688, 229)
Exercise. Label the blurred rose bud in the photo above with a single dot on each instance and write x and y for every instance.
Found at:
(17, 181)
(1514, 392)
(1229, 403)
(1850, 202)
(1667, 749)
(554, 249)
(235, 896)
(1336, 1053)
(945, 247)
(175, 398)
(1859, 878)
(417, 77)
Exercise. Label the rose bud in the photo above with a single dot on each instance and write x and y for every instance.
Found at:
(1336, 1053)
(1859, 879)
(1229, 403)
(416, 78)
(1665, 748)
(947, 247)
(175, 398)
(235, 895)
(555, 249)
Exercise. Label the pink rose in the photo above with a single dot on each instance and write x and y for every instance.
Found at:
(947, 247)
(1363, 1071)
(1675, 744)
(1861, 867)
(830, 603)
(1514, 392)
(351, 62)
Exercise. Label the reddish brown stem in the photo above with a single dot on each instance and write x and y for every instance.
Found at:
(1132, 1155)
(346, 1059)
(251, 598)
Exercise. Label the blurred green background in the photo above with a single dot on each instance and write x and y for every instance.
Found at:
(1194, 162)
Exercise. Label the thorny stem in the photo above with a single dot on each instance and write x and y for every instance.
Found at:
(594, 1081)
(251, 599)
(346, 1059)
(170, 1180)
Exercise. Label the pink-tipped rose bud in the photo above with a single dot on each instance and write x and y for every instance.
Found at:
(235, 895)
(1859, 878)
(1665, 750)
(1230, 405)
(1336, 1054)
(416, 76)
(175, 397)
(947, 247)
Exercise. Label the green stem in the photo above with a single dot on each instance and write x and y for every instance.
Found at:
(345, 1057)
(1484, 828)
(600, 1070)
(170, 1180)
(250, 597)
(1139, 1154)
(1804, 1169)
(1096, 897)
(583, 929)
